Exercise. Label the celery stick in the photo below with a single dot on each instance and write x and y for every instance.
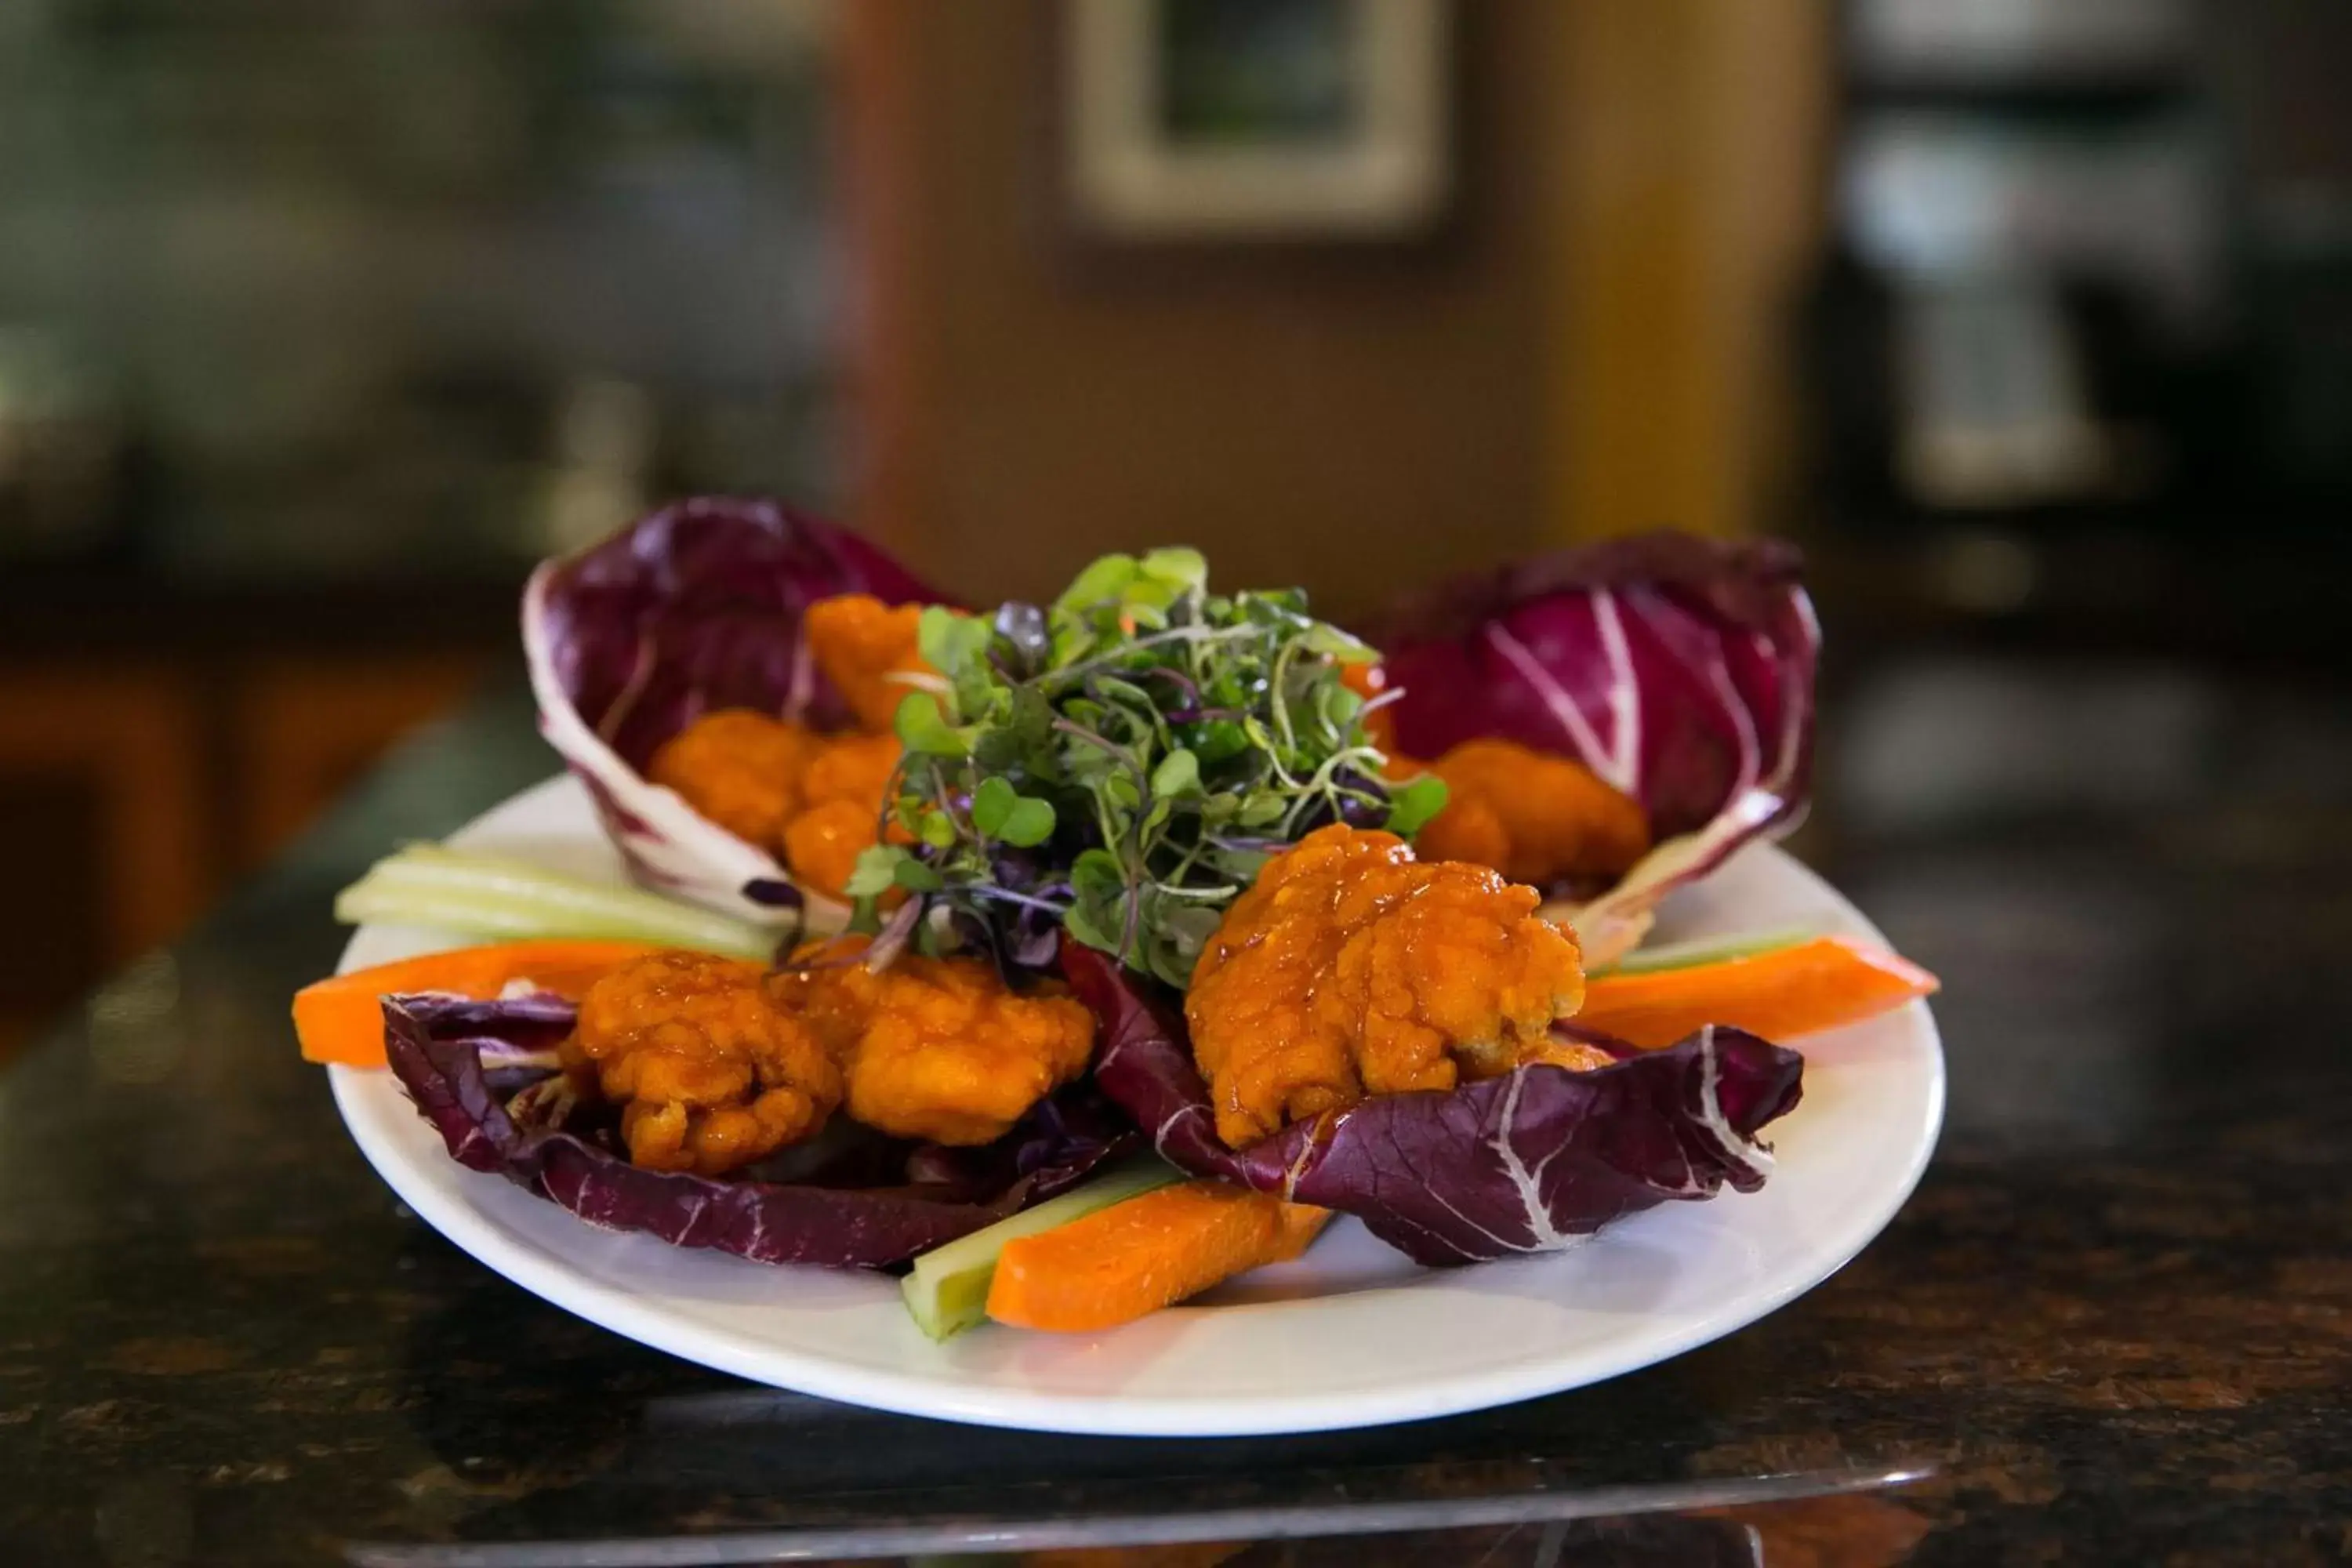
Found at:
(487, 895)
(947, 1292)
(1709, 950)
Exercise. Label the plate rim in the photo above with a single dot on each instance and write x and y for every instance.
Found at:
(644, 1320)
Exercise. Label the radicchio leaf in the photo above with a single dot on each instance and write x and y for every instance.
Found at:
(696, 607)
(1679, 670)
(1524, 1162)
(870, 1203)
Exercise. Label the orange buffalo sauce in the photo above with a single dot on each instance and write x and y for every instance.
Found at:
(812, 800)
(1536, 817)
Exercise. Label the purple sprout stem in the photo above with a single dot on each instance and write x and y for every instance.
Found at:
(993, 890)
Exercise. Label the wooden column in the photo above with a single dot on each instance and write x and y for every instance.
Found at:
(1690, 202)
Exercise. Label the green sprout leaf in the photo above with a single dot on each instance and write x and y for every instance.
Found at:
(1145, 604)
(1103, 581)
(922, 728)
(1084, 922)
(948, 640)
(999, 811)
(1220, 741)
(1412, 805)
(1179, 773)
(1263, 809)
(876, 871)
(991, 804)
(917, 877)
(1242, 865)
(1180, 567)
(1096, 874)
(1323, 638)
(1336, 706)
(1029, 824)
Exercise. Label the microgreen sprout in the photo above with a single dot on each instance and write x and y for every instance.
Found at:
(1119, 766)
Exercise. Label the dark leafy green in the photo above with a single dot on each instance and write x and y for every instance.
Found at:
(1118, 764)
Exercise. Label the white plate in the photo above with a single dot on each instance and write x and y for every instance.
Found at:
(1350, 1335)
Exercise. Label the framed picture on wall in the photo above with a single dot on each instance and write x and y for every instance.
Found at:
(1240, 120)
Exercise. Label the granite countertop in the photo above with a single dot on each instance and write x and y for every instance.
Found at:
(2114, 1324)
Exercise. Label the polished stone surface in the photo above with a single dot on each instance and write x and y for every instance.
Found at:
(2116, 1322)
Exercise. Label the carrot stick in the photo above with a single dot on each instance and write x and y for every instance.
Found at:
(1133, 1259)
(1795, 990)
(339, 1020)
(1301, 1223)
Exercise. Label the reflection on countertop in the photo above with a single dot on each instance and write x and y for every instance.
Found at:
(2121, 867)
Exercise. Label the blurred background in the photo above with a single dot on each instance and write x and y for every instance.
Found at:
(321, 319)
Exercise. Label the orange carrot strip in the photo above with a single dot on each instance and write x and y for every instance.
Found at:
(1301, 1223)
(1818, 984)
(339, 1019)
(1135, 1258)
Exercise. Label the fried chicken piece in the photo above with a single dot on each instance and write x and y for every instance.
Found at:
(937, 1049)
(823, 843)
(715, 1064)
(1351, 969)
(854, 768)
(866, 648)
(1576, 1055)
(1534, 816)
(844, 789)
(739, 768)
(1469, 829)
(813, 800)
(711, 1075)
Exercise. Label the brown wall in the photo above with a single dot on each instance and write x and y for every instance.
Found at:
(1353, 419)
(1693, 135)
